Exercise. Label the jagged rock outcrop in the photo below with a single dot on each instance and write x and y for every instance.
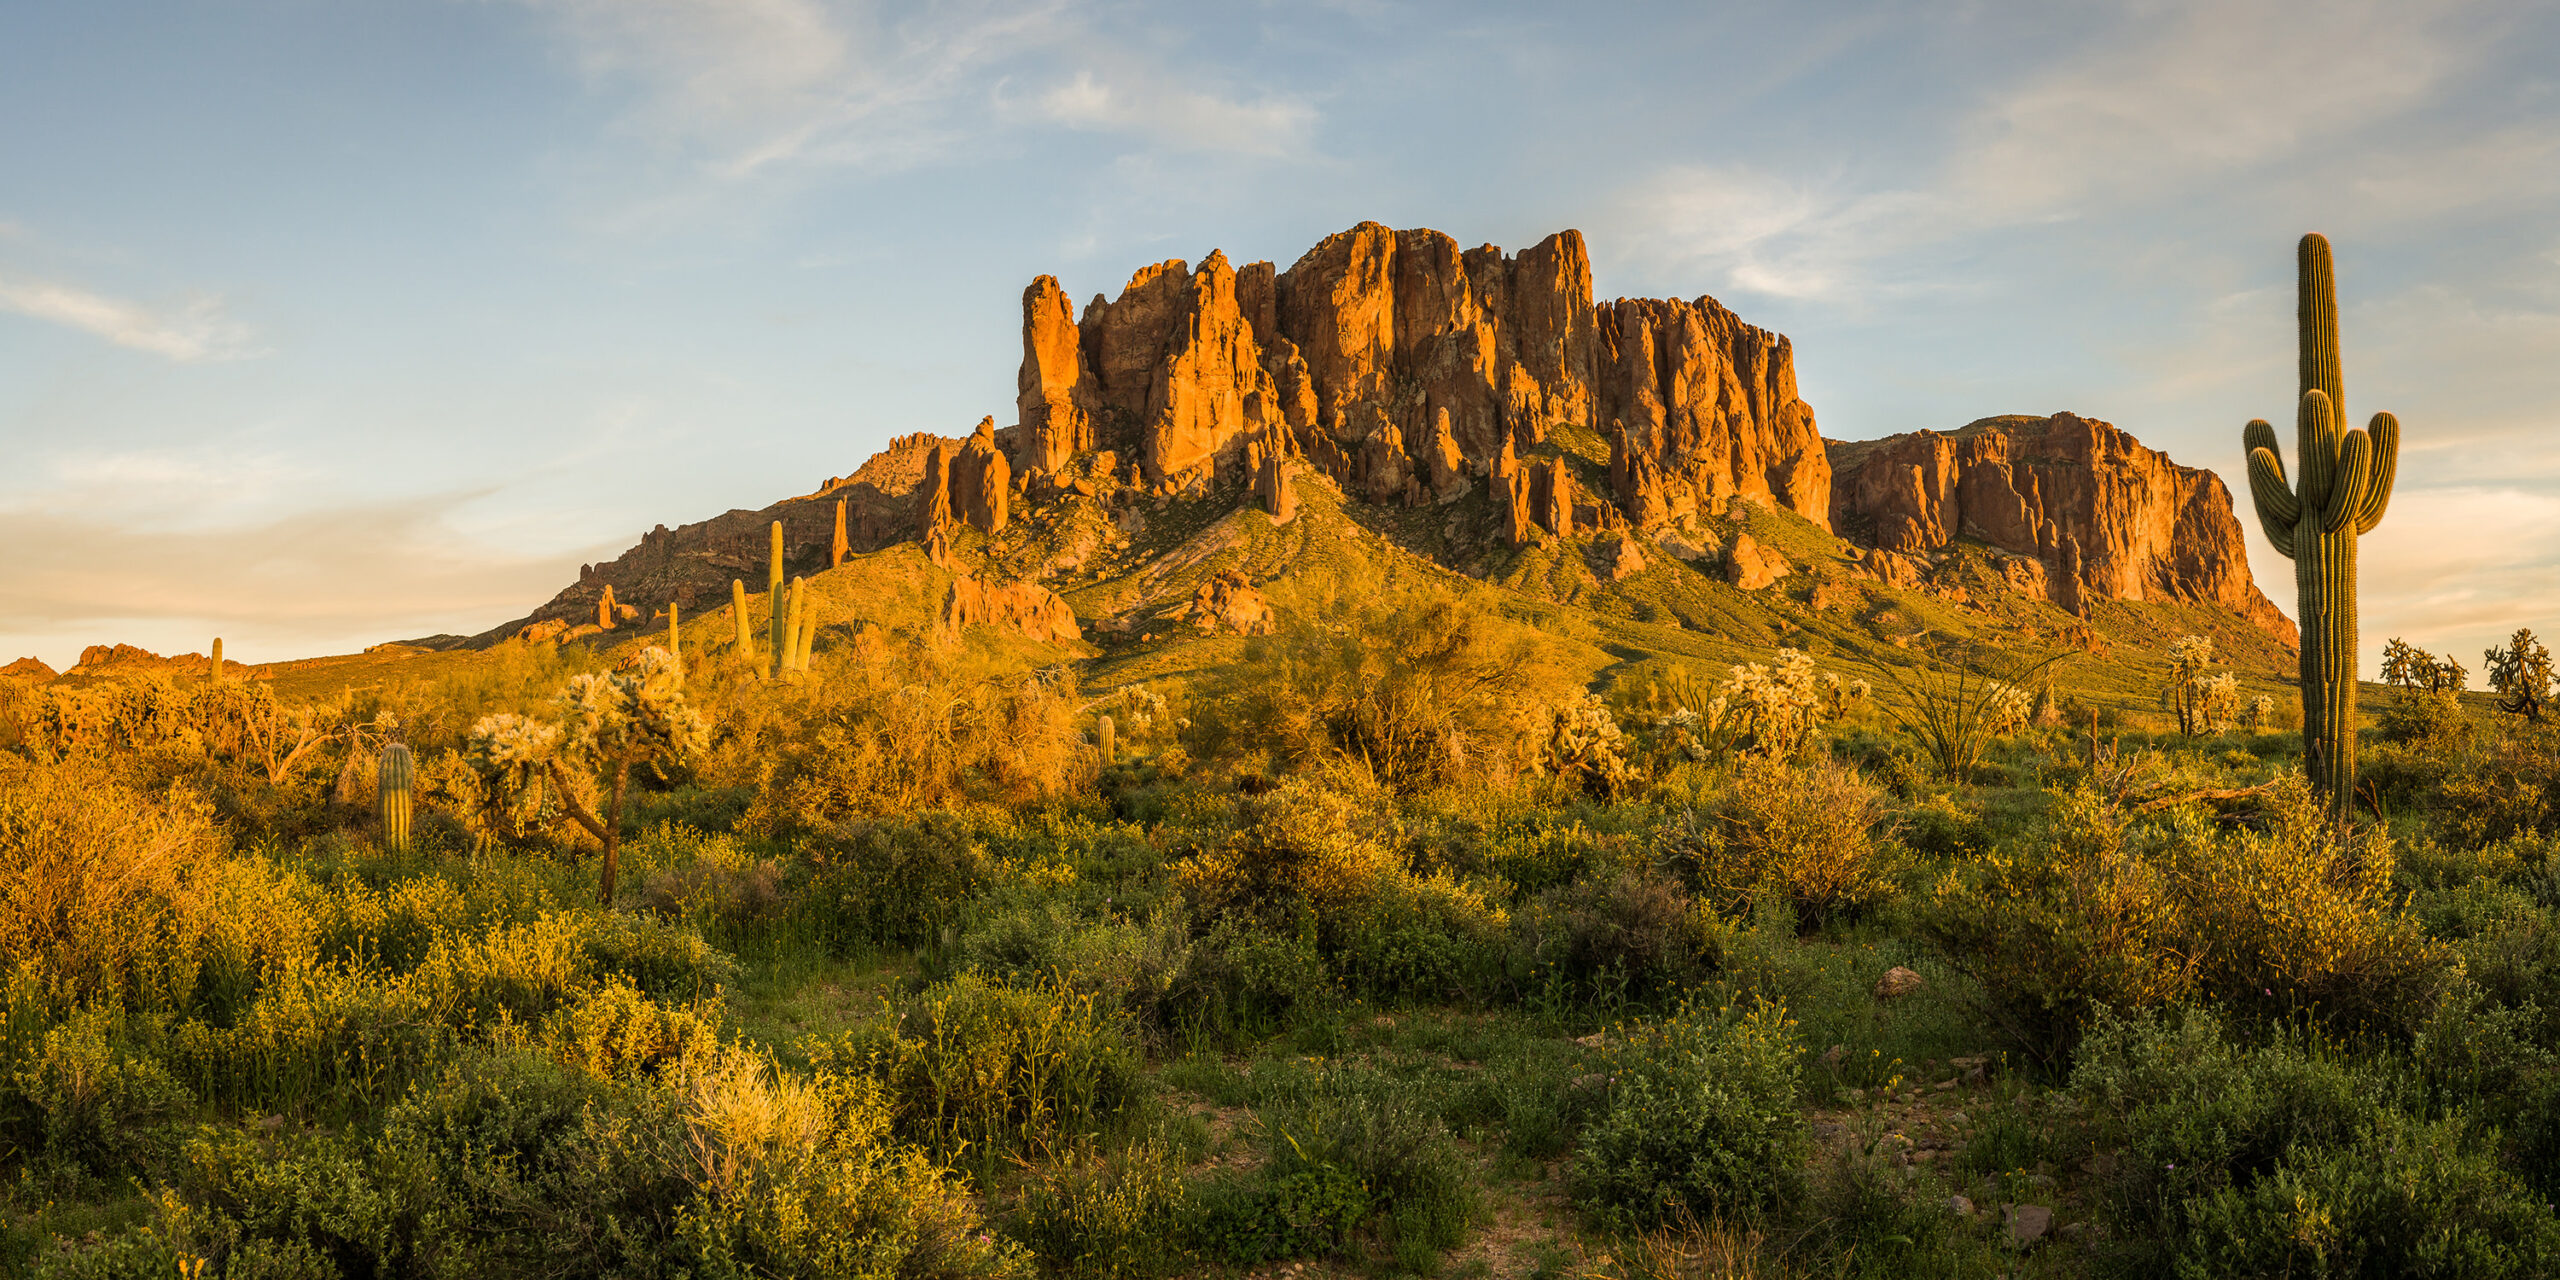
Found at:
(1027, 607)
(31, 670)
(1616, 557)
(1056, 387)
(1273, 486)
(1229, 603)
(1404, 365)
(1751, 564)
(2106, 517)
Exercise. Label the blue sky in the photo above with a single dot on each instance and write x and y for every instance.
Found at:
(327, 323)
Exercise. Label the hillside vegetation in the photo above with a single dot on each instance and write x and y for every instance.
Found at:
(1449, 929)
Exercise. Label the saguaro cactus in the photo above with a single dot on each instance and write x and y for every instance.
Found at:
(773, 602)
(217, 657)
(392, 793)
(738, 611)
(675, 641)
(836, 551)
(791, 632)
(1105, 740)
(808, 626)
(2340, 495)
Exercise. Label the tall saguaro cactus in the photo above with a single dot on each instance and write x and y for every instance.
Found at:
(675, 641)
(781, 620)
(392, 793)
(738, 613)
(2340, 495)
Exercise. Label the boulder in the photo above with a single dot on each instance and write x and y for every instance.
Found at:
(1026, 607)
(1898, 982)
(1615, 557)
(1751, 566)
(1229, 602)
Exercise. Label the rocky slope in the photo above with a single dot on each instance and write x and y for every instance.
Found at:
(2089, 512)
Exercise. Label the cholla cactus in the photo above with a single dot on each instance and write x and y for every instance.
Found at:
(2261, 713)
(512, 754)
(1585, 744)
(2218, 703)
(1772, 710)
(2008, 709)
(608, 723)
(2184, 692)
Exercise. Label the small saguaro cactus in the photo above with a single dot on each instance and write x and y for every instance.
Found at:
(392, 793)
(2340, 495)
(791, 631)
(774, 603)
(738, 611)
(808, 629)
(1106, 740)
(217, 657)
(675, 641)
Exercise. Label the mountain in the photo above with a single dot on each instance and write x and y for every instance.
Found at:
(1214, 438)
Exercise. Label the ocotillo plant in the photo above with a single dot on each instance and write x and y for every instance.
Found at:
(738, 611)
(773, 601)
(2344, 485)
(393, 795)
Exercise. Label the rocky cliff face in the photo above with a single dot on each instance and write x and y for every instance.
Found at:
(2101, 515)
(1404, 366)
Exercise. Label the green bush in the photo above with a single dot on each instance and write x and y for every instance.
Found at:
(1701, 1119)
(1116, 1216)
(1326, 1127)
(83, 1104)
(975, 1065)
(1633, 933)
(894, 882)
(2402, 1197)
(1244, 981)
(1124, 963)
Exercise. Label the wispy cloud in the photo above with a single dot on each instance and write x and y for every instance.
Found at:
(2161, 99)
(752, 87)
(191, 332)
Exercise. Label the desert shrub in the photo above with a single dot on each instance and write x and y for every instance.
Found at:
(2404, 1198)
(894, 882)
(1417, 937)
(1325, 1127)
(1120, 962)
(712, 882)
(83, 1105)
(1323, 840)
(2286, 1160)
(138, 1254)
(1701, 1119)
(1107, 1216)
(1428, 689)
(1633, 932)
(975, 1065)
(1247, 981)
(2108, 909)
(1586, 749)
(1804, 832)
(616, 1033)
(2505, 791)
(1308, 1212)
(102, 888)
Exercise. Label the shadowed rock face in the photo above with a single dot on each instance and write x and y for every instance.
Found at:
(1402, 366)
(2106, 517)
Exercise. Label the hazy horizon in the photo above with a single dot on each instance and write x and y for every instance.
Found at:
(326, 325)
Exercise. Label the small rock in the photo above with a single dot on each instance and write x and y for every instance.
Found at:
(2074, 1230)
(1960, 1206)
(1897, 982)
(1944, 1084)
(2028, 1223)
(271, 1122)
(1592, 1041)
(1958, 1119)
